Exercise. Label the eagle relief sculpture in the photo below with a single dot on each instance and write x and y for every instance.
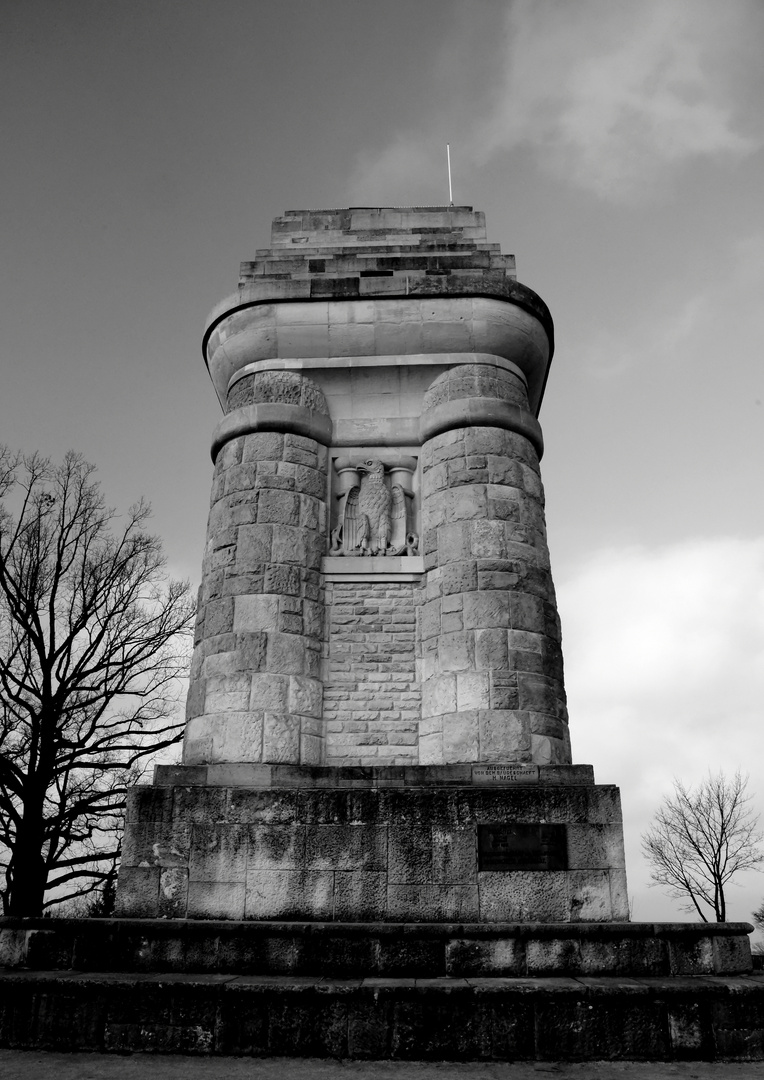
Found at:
(374, 516)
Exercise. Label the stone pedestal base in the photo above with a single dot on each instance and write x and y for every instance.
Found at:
(461, 843)
(382, 991)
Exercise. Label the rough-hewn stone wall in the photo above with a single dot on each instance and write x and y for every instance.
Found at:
(491, 657)
(398, 853)
(371, 696)
(255, 692)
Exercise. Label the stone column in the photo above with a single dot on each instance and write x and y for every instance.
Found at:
(492, 682)
(255, 693)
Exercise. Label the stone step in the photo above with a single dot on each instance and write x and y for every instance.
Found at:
(458, 1019)
(397, 950)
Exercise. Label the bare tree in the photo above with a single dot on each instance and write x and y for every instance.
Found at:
(92, 645)
(700, 838)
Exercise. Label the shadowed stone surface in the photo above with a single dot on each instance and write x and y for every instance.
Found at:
(457, 1019)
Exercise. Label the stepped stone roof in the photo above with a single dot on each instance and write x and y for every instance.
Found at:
(388, 251)
(410, 241)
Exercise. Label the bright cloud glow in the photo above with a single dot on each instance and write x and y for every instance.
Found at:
(664, 653)
(611, 94)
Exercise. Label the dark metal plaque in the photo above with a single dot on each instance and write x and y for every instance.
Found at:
(522, 846)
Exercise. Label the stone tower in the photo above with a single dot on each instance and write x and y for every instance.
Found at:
(376, 723)
(400, 336)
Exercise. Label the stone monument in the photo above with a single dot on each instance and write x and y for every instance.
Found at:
(377, 839)
(376, 723)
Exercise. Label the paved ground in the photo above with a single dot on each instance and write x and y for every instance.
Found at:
(33, 1065)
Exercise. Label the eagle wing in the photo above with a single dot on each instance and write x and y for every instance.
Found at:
(351, 521)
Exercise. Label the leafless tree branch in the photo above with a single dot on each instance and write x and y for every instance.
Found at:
(700, 838)
(93, 643)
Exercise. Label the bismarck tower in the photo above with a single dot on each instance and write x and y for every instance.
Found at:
(376, 724)
(377, 845)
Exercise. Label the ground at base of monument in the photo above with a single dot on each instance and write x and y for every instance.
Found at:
(34, 1065)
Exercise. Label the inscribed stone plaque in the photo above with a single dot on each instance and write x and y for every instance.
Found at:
(522, 846)
(505, 774)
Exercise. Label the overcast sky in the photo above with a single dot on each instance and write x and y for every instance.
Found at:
(616, 148)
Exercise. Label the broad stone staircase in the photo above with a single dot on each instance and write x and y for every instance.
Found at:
(427, 991)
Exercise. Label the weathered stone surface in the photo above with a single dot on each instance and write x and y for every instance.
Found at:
(414, 847)
(447, 656)
(431, 1019)
(382, 949)
(483, 499)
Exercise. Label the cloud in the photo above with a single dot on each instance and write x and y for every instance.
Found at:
(608, 94)
(613, 94)
(664, 658)
(692, 321)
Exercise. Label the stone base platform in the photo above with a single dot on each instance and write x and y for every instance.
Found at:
(458, 843)
(382, 991)
(384, 950)
(471, 1019)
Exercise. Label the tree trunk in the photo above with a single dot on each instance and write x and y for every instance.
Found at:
(28, 871)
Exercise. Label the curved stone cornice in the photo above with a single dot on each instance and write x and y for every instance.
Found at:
(272, 416)
(411, 325)
(481, 412)
(269, 291)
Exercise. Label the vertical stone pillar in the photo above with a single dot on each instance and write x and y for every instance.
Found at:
(492, 683)
(255, 693)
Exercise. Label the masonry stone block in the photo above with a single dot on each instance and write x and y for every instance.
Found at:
(447, 903)
(260, 807)
(173, 893)
(227, 692)
(289, 894)
(525, 896)
(360, 895)
(139, 891)
(619, 896)
(260, 446)
(491, 651)
(270, 692)
(285, 654)
(218, 852)
(278, 507)
(486, 610)
(305, 696)
(253, 548)
(431, 745)
(216, 900)
(454, 857)
(409, 854)
(503, 732)
(218, 617)
(236, 736)
(595, 847)
(239, 478)
(473, 691)
(230, 454)
(346, 847)
(281, 737)
(439, 695)
(461, 736)
(456, 652)
(156, 843)
(276, 847)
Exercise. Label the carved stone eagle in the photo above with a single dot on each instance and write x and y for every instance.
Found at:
(373, 516)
